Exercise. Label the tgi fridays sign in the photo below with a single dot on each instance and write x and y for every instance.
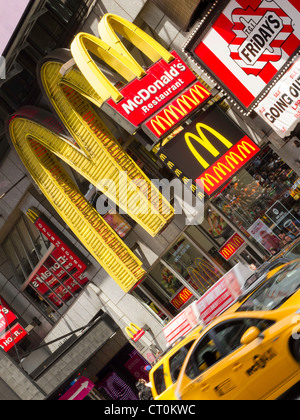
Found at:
(149, 99)
(281, 107)
(248, 44)
(62, 272)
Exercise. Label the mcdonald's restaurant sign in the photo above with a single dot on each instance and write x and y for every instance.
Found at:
(181, 298)
(231, 246)
(74, 85)
(209, 151)
(134, 332)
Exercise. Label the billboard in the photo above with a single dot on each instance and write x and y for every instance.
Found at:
(247, 46)
(281, 107)
(209, 151)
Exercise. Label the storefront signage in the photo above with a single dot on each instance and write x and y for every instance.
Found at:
(181, 298)
(79, 390)
(12, 337)
(209, 151)
(63, 270)
(231, 246)
(247, 46)
(147, 91)
(281, 107)
(162, 82)
(48, 230)
(92, 151)
(165, 120)
(134, 332)
(6, 315)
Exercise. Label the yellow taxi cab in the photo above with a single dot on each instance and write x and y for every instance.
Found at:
(163, 376)
(253, 352)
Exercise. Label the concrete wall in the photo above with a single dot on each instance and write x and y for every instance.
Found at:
(15, 384)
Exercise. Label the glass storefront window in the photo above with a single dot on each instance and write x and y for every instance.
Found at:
(193, 267)
(216, 226)
(41, 271)
(261, 201)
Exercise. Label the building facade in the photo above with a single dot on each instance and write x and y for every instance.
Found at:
(53, 334)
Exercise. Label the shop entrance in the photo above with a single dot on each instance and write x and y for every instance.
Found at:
(117, 381)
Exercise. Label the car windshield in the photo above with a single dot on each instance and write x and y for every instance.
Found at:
(275, 291)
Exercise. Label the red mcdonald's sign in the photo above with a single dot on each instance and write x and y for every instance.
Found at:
(231, 246)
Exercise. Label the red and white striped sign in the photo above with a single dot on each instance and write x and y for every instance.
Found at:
(249, 44)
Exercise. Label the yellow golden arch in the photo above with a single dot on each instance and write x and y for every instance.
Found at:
(92, 150)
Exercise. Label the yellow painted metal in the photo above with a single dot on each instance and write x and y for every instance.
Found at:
(95, 234)
(93, 151)
(110, 24)
(81, 47)
(99, 157)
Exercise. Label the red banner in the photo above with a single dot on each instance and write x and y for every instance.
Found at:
(146, 96)
(178, 110)
(6, 315)
(12, 337)
(58, 265)
(231, 246)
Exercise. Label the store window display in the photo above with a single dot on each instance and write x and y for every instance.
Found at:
(262, 200)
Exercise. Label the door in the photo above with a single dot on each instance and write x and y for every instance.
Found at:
(258, 367)
(207, 377)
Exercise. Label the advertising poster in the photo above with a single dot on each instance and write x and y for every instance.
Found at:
(118, 223)
(284, 219)
(281, 107)
(265, 236)
(217, 298)
(248, 45)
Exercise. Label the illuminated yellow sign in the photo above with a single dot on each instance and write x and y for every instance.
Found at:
(92, 151)
(209, 151)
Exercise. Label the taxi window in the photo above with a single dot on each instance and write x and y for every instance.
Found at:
(159, 380)
(294, 253)
(176, 361)
(229, 334)
(275, 291)
(205, 355)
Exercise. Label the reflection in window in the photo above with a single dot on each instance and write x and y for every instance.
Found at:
(200, 273)
(251, 194)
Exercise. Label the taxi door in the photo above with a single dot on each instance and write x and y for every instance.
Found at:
(207, 374)
(259, 365)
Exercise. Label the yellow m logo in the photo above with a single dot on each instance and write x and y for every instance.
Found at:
(203, 141)
(92, 150)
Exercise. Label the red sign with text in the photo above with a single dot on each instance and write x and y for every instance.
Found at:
(6, 315)
(12, 337)
(144, 97)
(57, 269)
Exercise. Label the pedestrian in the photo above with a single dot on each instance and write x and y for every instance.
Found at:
(144, 389)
